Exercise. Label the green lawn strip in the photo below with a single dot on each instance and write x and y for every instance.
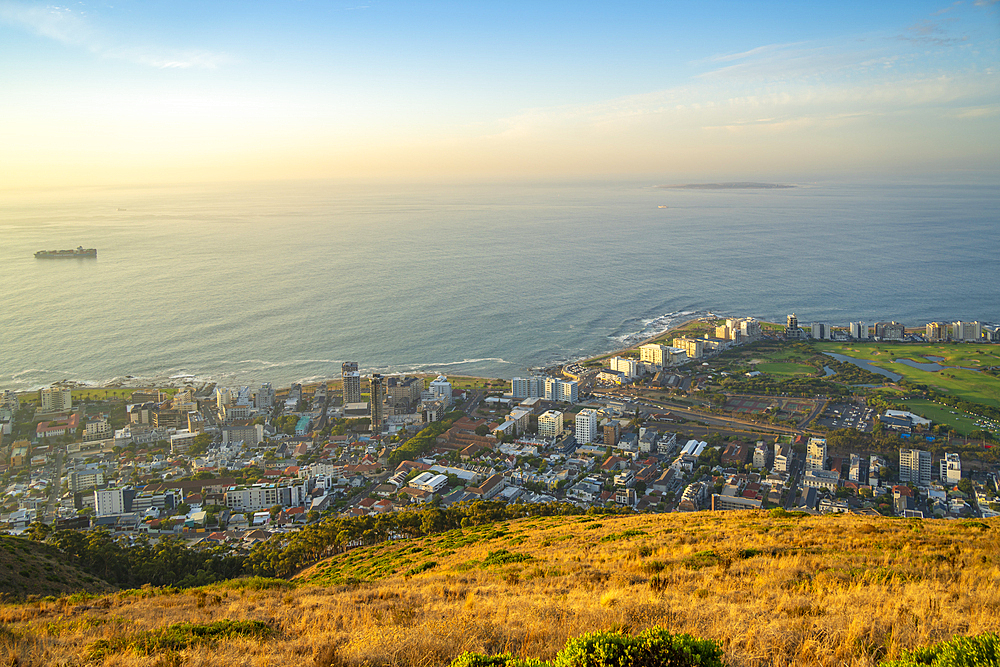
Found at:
(942, 414)
(785, 368)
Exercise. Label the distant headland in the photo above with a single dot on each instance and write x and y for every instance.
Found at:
(728, 186)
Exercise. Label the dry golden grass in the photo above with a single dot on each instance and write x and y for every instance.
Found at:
(773, 591)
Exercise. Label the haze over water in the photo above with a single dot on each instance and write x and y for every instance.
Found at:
(282, 282)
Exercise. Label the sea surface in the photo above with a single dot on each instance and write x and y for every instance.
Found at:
(281, 282)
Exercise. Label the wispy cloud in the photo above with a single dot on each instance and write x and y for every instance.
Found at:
(73, 28)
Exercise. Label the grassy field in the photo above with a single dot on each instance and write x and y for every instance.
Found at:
(772, 590)
(785, 368)
(971, 355)
(942, 414)
(970, 385)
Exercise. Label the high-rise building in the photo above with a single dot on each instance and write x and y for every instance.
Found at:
(821, 331)
(951, 469)
(586, 426)
(550, 424)
(935, 331)
(56, 399)
(816, 454)
(533, 387)
(889, 330)
(557, 389)
(693, 347)
(859, 330)
(858, 471)
(352, 382)
(441, 389)
(967, 331)
(630, 366)
(264, 398)
(377, 403)
(792, 327)
(915, 467)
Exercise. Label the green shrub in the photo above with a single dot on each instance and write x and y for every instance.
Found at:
(979, 651)
(502, 557)
(654, 647)
(180, 636)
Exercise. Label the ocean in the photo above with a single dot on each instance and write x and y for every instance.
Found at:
(281, 282)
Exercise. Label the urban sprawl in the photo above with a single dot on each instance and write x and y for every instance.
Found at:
(692, 420)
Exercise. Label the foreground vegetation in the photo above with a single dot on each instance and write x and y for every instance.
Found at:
(767, 588)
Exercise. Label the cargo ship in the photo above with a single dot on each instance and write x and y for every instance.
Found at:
(59, 254)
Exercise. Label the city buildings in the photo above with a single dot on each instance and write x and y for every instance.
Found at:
(821, 331)
(968, 332)
(630, 367)
(440, 389)
(915, 467)
(936, 332)
(889, 330)
(586, 426)
(550, 424)
(352, 382)
(859, 330)
(792, 327)
(377, 404)
(658, 355)
(56, 399)
(530, 387)
(693, 347)
(565, 391)
(951, 469)
(816, 454)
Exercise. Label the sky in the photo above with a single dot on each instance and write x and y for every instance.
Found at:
(130, 92)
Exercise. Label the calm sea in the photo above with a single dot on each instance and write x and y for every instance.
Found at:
(282, 282)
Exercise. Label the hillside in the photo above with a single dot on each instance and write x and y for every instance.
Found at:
(772, 589)
(30, 568)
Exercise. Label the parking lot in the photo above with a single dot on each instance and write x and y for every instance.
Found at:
(848, 415)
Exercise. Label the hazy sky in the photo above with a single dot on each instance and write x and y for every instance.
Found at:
(151, 91)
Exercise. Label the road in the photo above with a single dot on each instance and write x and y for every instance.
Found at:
(699, 416)
(56, 487)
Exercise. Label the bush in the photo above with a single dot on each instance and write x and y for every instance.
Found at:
(979, 651)
(654, 647)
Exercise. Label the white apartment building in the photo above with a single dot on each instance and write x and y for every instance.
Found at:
(951, 469)
(816, 454)
(966, 331)
(531, 387)
(586, 426)
(859, 330)
(557, 389)
(655, 354)
(440, 388)
(550, 424)
(821, 331)
(915, 467)
(264, 398)
(56, 399)
(632, 368)
(109, 501)
(693, 347)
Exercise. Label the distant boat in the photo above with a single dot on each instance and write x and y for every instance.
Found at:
(60, 254)
(662, 207)
(122, 209)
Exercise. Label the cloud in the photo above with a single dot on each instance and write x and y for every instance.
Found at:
(72, 28)
(932, 32)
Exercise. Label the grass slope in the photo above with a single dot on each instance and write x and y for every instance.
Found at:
(32, 569)
(771, 589)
